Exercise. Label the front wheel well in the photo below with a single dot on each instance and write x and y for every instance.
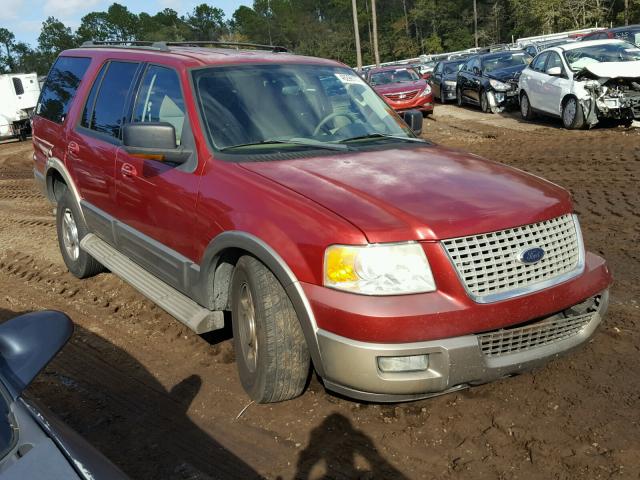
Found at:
(219, 281)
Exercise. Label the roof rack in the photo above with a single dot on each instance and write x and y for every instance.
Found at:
(124, 44)
(236, 45)
(164, 46)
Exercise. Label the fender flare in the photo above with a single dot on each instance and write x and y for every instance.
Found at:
(55, 164)
(266, 254)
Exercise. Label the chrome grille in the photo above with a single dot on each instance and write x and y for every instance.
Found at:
(504, 342)
(401, 96)
(489, 265)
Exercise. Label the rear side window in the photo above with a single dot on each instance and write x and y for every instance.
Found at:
(540, 60)
(60, 87)
(17, 86)
(107, 106)
(160, 99)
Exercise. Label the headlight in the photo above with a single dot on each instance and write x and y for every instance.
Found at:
(450, 83)
(425, 92)
(499, 86)
(381, 269)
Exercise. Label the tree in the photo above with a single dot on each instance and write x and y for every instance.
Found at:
(7, 39)
(55, 37)
(207, 23)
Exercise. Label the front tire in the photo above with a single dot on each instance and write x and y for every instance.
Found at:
(271, 351)
(572, 114)
(525, 107)
(459, 99)
(484, 103)
(71, 230)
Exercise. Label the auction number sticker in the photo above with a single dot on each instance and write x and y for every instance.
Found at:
(349, 78)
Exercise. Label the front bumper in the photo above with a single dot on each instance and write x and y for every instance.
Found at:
(351, 367)
(424, 104)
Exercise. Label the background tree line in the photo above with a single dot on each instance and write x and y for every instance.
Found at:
(407, 28)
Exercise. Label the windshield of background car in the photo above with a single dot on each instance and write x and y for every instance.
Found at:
(578, 58)
(505, 60)
(453, 67)
(400, 75)
(253, 104)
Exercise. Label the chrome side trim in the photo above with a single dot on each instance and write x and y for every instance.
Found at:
(534, 287)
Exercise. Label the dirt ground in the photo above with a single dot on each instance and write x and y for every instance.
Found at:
(164, 403)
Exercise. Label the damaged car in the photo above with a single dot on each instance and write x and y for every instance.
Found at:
(583, 84)
(490, 80)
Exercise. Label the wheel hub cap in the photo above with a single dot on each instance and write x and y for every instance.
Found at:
(247, 329)
(70, 235)
(569, 112)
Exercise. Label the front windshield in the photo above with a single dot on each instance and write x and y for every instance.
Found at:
(578, 58)
(246, 105)
(453, 67)
(505, 60)
(399, 75)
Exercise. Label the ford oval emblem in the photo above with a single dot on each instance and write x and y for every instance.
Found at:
(531, 255)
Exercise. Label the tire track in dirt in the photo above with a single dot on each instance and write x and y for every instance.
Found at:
(144, 399)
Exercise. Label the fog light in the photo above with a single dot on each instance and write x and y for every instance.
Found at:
(411, 363)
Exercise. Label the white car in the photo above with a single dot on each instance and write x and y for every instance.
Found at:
(582, 83)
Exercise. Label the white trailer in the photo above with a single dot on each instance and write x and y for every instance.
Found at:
(19, 94)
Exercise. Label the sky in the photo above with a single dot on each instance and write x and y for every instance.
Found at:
(24, 17)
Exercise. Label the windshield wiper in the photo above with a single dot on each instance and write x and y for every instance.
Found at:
(302, 142)
(381, 135)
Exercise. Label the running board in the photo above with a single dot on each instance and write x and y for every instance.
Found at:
(197, 318)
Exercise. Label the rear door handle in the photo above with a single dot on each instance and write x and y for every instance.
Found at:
(128, 170)
(73, 148)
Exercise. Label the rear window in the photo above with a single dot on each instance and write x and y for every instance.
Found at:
(60, 87)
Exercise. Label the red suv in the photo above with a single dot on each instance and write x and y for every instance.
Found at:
(402, 88)
(283, 189)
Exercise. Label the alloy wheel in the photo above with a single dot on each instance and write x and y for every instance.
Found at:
(247, 328)
(70, 235)
(524, 106)
(569, 112)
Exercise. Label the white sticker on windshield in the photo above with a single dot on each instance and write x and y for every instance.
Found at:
(349, 78)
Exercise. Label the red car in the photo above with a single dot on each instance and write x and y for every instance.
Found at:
(402, 88)
(282, 188)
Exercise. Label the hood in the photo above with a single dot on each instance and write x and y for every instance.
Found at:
(419, 193)
(505, 74)
(608, 70)
(450, 76)
(400, 87)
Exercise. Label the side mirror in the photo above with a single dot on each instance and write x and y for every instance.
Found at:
(427, 76)
(153, 141)
(555, 71)
(477, 71)
(414, 119)
(27, 345)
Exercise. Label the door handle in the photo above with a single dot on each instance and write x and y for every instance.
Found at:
(73, 148)
(128, 170)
